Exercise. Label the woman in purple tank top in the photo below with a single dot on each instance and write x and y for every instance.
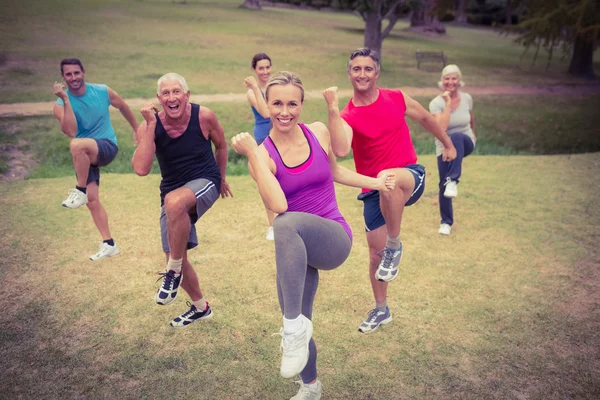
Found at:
(294, 169)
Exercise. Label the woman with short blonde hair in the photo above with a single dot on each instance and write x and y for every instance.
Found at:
(453, 109)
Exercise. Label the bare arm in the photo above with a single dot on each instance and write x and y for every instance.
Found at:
(216, 134)
(473, 124)
(255, 97)
(64, 114)
(144, 153)
(443, 118)
(344, 175)
(415, 111)
(268, 187)
(117, 102)
(339, 130)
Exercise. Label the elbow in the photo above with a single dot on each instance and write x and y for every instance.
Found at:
(141, 170)
(341, 153)
(278, 207)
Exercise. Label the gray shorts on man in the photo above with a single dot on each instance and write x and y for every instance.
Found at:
(206, 194)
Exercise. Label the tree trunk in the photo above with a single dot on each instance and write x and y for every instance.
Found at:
(417, 17)
(461, 16)
(582, 59)
(373, 37)
(507, 13)
(253, 4)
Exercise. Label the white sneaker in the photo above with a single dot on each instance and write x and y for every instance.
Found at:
(309, 392)
(76, 199)
(451, 189)
(445, 229)
(294, 347)
(270, 234)
(106, 250)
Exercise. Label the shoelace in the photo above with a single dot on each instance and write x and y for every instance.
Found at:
(286, 341)
(167, 276)
(73, 194)
(191, 311)
(372, 315)
(388, 256)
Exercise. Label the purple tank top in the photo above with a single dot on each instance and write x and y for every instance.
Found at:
(308, 187)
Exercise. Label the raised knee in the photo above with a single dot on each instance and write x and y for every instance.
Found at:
(174, 204)
(75, 146)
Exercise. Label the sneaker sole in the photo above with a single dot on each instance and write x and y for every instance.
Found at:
(73, 208)
(105, 256)
(209, 316)
(384, 322)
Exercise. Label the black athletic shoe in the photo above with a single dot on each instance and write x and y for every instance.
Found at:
(191, 316)
(167, 292)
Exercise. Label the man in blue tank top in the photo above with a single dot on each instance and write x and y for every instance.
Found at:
(192, 178)
(83, 113)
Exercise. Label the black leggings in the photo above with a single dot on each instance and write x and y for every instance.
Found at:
(304, 244)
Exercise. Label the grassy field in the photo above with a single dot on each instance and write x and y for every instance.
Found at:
(507, 307)
(505, 125)
(129, 44)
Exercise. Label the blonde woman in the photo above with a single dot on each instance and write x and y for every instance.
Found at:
(453, 110)
(294, 170)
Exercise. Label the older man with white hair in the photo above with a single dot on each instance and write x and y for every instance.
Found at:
(192, 179)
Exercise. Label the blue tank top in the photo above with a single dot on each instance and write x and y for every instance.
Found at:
(262, 125)
(92, 113)
(185, 158)
(308, 187)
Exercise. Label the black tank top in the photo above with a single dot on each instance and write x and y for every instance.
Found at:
(185, 158)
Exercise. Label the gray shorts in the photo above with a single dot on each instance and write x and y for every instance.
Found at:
(107, 151)
(206, 194)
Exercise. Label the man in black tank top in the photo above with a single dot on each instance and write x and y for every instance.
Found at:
(192, 178)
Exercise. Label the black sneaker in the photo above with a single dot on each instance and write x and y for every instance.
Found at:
(167, 292)
(191, 316)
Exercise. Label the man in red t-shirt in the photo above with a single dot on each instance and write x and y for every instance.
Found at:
(373, 124)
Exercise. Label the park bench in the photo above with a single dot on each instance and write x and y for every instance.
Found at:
(433, 56)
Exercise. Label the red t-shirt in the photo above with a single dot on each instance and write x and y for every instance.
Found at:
(381, 138)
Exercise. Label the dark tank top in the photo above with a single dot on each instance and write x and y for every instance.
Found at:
(185, 158)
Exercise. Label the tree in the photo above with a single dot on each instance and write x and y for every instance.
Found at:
(461, 15)
(252, 4)
(374, 12)
(573, 25)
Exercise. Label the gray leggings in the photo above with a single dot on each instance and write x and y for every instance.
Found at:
(304, 244)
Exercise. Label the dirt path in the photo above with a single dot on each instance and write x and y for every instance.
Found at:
(45, 108)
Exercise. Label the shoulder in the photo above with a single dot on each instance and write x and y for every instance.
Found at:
(204, 112)
(437, 101)
(318, 128)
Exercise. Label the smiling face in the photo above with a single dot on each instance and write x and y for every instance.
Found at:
(263, 71)
(285, 105)
(173, 98)
(74, 77)
(451, 82)
(363, 74)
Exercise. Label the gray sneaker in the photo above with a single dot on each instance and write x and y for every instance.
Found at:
(308, 393)
(387, 270)
(375, 319)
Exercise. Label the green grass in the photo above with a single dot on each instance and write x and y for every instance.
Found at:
(505, 126)
(506, 307)
(129, 44)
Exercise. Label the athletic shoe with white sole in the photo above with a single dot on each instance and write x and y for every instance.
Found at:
(375, 319)
(294, 347)
(75, 199)
(167, 292)
(270, 234)
(191, 316)
(451, 189)
(106, 250)
(309, 392)
(387, 270)
(445, 229)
